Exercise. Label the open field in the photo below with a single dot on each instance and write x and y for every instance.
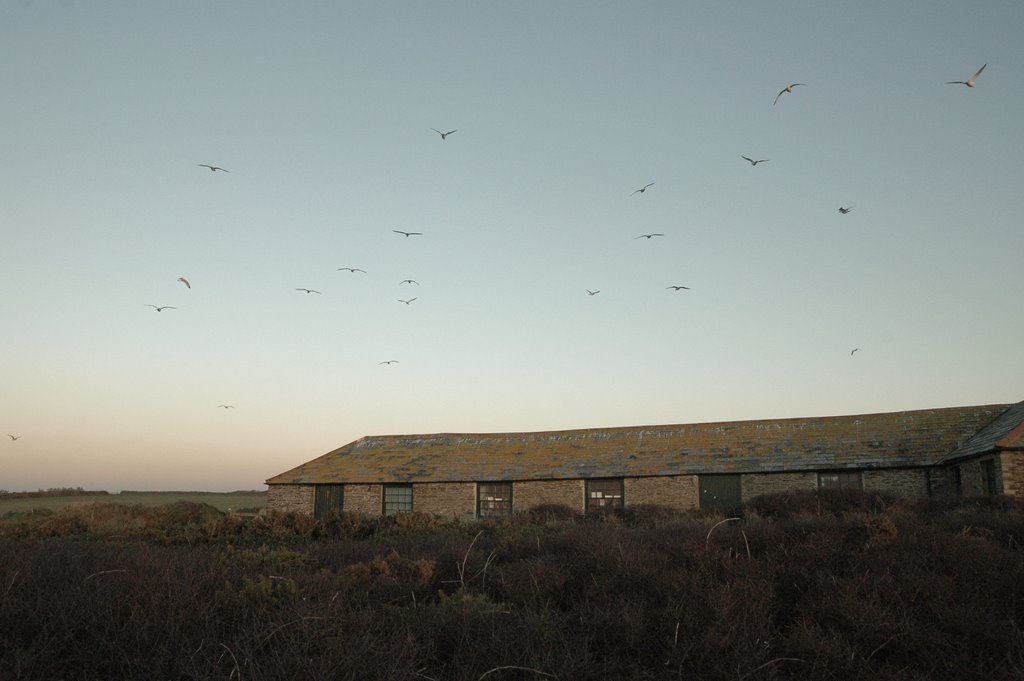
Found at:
(799, 587)
(244, 501)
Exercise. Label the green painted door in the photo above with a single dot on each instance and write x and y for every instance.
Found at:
(720, 491)
(328, 497)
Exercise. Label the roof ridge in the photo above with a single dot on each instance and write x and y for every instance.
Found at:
(666, 426)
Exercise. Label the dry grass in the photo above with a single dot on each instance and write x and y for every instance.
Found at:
(796, 587)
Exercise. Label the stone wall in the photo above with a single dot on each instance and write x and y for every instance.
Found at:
(526, 495)
(290, 498)
(905, 482)
(1011, 463)
(458, 499)
(942, 482)
(678, 491)
(367, 499)
(755, 484)
(447, 498)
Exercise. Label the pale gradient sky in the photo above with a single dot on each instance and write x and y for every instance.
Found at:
(322, 112)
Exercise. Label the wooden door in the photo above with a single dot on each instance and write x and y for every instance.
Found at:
(720, 491)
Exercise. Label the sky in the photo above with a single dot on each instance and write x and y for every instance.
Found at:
(324, 115)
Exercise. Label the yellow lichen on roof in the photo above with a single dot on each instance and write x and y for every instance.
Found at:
(900, 439)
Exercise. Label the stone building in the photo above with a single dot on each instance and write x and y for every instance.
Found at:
(965, 451)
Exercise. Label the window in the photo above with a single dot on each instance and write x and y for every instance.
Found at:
(604, 494)
(397, 499)
(493, 499)
(988, 477)
(840, 480)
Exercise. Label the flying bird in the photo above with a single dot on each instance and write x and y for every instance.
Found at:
(226, 406)
(353, 270)
(649, 236)
(844, 211)
(409, 281)
(184, 281)
(213, 169)
(407, 234)
(753, 162)
(388, 361)
(13, 437)
(406, 301)
(309, 290)
(970, 81)
(160, 309)
(444, 135)
(853, 351)
(593, 293)
(677, 288)
(642, 189)
(788, 88)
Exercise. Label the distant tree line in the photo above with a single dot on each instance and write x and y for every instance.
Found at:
(53, 492)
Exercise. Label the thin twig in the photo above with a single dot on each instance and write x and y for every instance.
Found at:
(777, 659)
(884, 644)
(483, 571)
(237, 669)
(101, 572)
(288, 624)
(746, 542)
(462, 567)
(512, 666)
(11, 585)
(708, 538)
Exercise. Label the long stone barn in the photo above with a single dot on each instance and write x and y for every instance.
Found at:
(948, 452)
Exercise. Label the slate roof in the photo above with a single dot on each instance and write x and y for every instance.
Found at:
(892, 440)
(1005, 432)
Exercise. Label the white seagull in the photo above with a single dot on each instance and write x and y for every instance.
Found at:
(970, 81)
(225, 406)
(444, 135)
(309, 290)
(353, 270)
(184, 281)
(409, 281)
(649, 236)
(846, 210)
(593, 293)
(642, 189)
(406, 301)
(678, 288)
(213, 169)
(407, 234)
(853, 351)
(753, 162)
(160, 309)
(13, 437)
(788, 88)
(388, 361)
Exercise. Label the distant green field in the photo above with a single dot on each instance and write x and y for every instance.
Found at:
(224, 501)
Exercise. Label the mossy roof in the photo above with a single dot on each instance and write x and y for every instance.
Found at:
(890, 440)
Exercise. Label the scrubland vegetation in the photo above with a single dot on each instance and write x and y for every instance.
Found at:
(57, 498)
(796, 586)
